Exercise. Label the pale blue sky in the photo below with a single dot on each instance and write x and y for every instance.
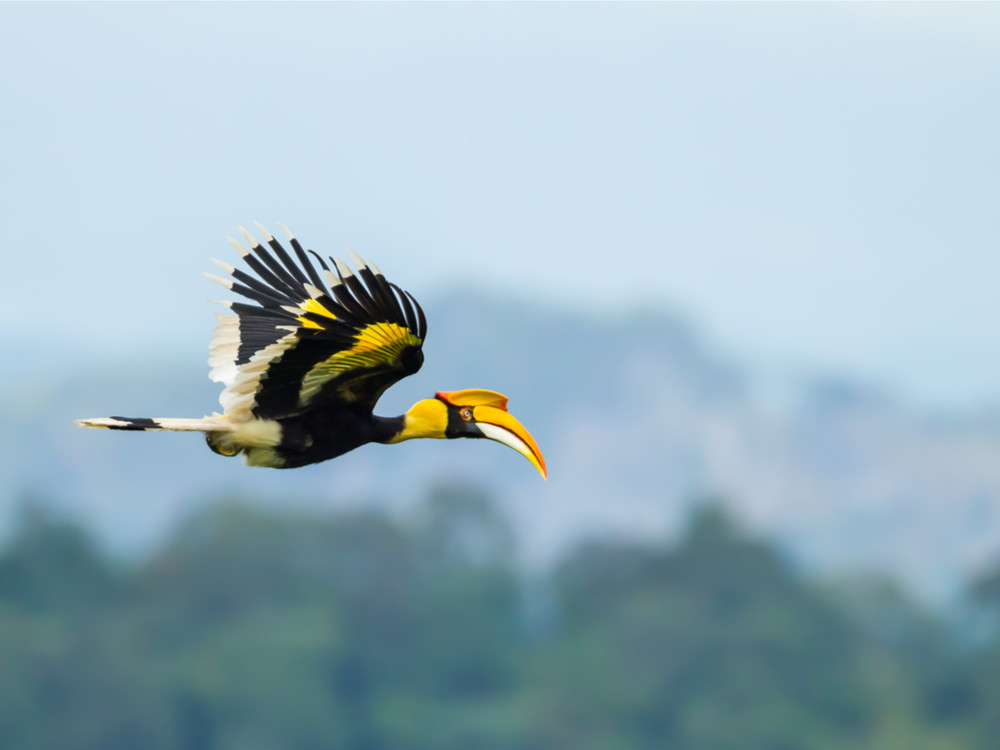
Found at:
(813, 185)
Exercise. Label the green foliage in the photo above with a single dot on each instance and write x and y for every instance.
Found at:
(363, 631)
(713, 645)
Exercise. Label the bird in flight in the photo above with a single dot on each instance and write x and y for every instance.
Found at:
(306, 359)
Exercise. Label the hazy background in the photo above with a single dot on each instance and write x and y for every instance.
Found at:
(740, 251)
(813, 185)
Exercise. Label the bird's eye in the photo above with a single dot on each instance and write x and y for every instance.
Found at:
(466, 414)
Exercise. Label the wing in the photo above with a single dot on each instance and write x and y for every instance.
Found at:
(310, 339)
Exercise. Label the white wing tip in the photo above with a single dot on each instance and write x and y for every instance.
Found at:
(223, 265)
(267, 235)
(254, 242)
(357, 260)
(219, 280)
(343, 268)
(239, 248)
(287, 231)
(331, 278)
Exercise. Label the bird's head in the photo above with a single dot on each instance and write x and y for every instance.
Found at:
(470, 414)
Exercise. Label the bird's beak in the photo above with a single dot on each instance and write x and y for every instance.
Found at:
(489, 411)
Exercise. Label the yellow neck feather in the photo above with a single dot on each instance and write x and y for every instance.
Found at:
(425, 419)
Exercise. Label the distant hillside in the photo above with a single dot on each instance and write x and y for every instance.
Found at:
(637, 417)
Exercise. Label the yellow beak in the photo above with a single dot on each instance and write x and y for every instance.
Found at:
(498, 424)
(489, 411)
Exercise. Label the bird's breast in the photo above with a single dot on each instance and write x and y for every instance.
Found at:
(318, 436)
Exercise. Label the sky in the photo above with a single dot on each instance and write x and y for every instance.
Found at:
(815, 186)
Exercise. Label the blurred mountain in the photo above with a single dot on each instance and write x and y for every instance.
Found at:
(638, 418)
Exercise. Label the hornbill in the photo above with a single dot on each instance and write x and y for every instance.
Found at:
(307, 359)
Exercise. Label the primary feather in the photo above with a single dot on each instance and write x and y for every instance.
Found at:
(302, 343)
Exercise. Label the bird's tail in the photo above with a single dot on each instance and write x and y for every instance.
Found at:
(205, 424)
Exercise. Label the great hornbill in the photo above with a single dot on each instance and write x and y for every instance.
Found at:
(304, 365)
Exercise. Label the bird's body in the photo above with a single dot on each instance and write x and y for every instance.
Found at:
(304, 366)
(315, 436)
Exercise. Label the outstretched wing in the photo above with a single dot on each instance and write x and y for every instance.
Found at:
(310, 339)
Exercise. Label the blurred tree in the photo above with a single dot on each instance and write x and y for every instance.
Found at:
(714, 644)
(984, 701)
(457, 526)
(361, 631)
(50, 564)
(61, 655)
